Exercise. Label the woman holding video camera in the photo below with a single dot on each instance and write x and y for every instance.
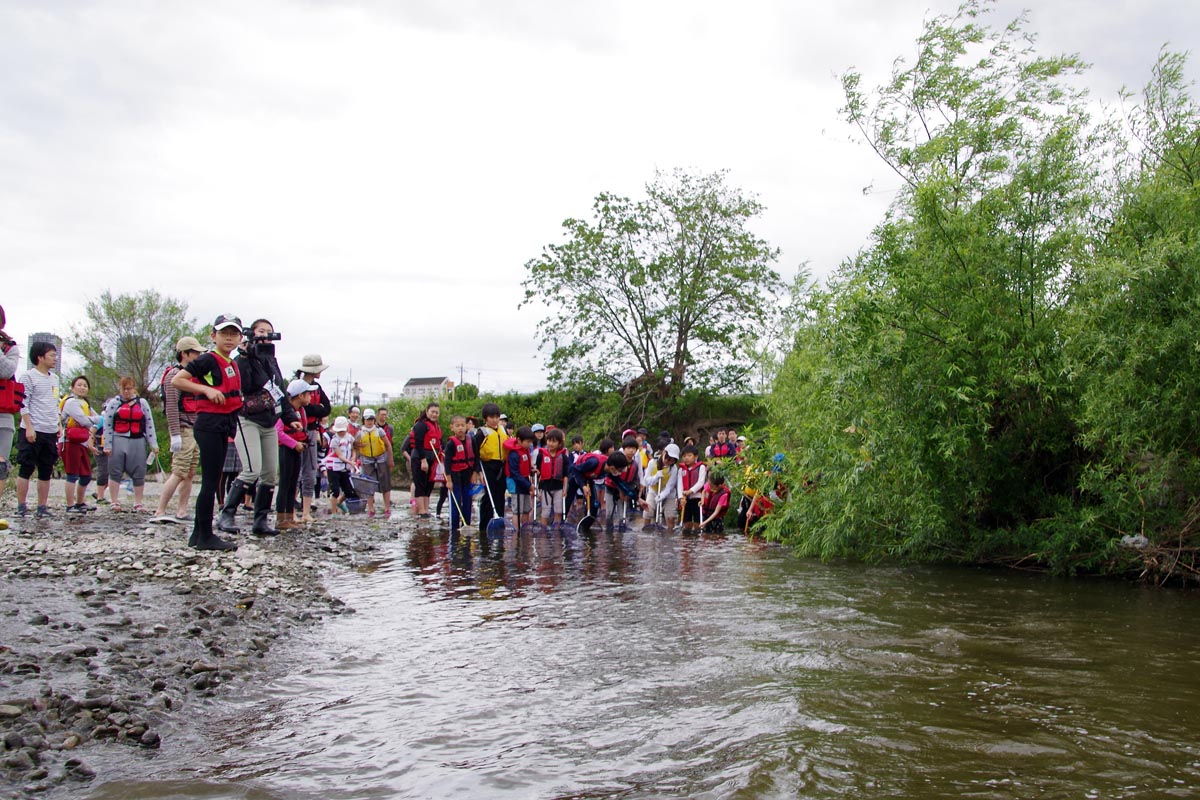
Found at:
(257, 443)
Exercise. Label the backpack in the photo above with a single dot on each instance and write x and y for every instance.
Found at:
(12, 395)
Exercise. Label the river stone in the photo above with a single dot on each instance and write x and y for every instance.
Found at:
(20, 760)
(150, 739)
(39, 619)
(13, 741)
(9, 712)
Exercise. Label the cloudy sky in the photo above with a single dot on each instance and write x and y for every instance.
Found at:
(372, 176)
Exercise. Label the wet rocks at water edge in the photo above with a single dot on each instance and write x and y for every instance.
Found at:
(110, 627)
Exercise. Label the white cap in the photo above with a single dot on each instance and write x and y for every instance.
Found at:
(368, 413)
(340, 424)
(672, 450)
(299, 387)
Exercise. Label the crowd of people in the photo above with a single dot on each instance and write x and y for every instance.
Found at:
(262, 440)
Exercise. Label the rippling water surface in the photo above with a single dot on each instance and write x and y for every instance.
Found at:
(649, 665)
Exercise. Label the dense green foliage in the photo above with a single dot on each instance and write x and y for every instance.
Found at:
(1002, 374)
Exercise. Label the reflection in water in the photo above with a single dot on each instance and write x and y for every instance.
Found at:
(643, 665)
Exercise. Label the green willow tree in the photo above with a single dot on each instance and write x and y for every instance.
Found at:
(655, 295)
(926, 394)
(1134, 338)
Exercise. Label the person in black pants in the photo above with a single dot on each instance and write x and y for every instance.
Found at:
(215, 377)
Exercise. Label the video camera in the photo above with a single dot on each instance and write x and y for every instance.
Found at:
(248, 333)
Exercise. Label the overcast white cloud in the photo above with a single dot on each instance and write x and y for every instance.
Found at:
(372, 176)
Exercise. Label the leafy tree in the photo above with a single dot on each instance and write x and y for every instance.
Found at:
(927, 389)
(653, 295)
(466, 391)
(130, 334)
(1135, 327)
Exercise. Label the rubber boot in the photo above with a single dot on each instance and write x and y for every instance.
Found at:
(262, 511)
(227, 519)
(207, 540)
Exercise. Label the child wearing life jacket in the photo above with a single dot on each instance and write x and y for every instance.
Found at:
(375, 454)
(661, 483)
(624, 487)
(460, 466)
(78, 423)
(714, 503)
(130, 439)
(551, 467)
(340, 463)
(293, 442)
(488, 441)
(576, 452)
(215, 378)
(583, 474)
(692, 474)
(518, 469)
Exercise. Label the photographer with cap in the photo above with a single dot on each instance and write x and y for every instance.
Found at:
(263, 393)
(319, 407)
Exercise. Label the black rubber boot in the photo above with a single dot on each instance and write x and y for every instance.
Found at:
(207, 540)
(262, 511)
(227, 519)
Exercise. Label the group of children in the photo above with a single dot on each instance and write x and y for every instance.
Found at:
(539, 476)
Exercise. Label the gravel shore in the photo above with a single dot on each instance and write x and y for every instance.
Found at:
(110, 626)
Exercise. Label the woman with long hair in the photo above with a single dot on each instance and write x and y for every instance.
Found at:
(426, 446)
(257, 443)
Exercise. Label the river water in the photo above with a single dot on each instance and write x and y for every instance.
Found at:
(651, 665)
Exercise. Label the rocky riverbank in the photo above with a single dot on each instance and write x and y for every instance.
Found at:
(110, 627)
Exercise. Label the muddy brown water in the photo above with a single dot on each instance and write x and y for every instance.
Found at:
(650, 665)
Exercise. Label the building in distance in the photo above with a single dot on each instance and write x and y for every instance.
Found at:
(428, 388)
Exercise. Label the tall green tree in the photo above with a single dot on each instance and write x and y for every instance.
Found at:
(657, 294)
(927, 389)
(130, 334)
(1134, 337)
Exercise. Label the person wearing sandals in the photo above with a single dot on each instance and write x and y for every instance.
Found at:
(319, 407)
(263, 391)
(78, 422)
(180, 410)
(129, 440)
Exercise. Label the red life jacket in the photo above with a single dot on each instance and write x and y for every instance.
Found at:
(712, 501)
(625, 476)
(129, 419)
(230, 385)
(592, 474)
(12, 392)
(723, 450)
(524, 465)
(690, 474)
(464, 454)
(302, 434)
(433, 437)
(187, 400)
(551, 467)
(760, 507)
